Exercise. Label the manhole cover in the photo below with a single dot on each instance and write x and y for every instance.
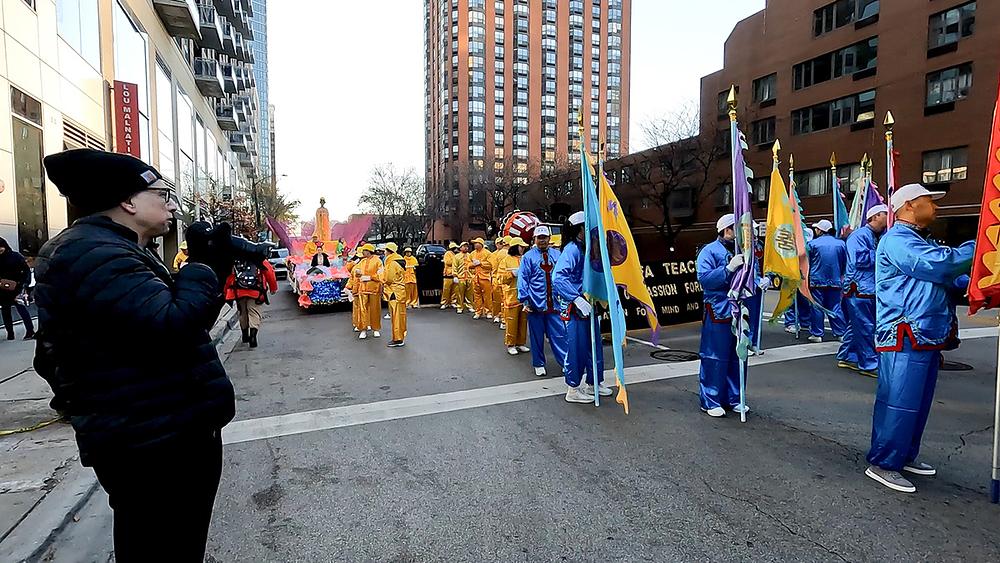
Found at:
(955, 366)
(674, 356)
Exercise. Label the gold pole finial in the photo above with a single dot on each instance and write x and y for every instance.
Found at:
(731, 100)
(889, 120)
(833, 160)
(775, 149)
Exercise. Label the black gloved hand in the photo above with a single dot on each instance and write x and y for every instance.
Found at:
(198, 236)
(212, 247)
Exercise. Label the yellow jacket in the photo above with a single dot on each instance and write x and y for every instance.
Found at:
(311, 249)
(508, 279)
(371, 267)
(394, 277)
(180, 259)
(495, 259)
(352, 282)
(411, 269)
(448, 259)
(483, 271)
(460, 266)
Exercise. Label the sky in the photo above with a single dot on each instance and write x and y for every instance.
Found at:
(347, 83)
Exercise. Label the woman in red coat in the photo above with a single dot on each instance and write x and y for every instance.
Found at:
(248, 286)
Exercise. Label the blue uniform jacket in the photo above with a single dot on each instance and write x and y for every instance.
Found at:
(715, 280)
(567, 278)
(859, 278)
(827, 260)
(914, 283)
(534, 284)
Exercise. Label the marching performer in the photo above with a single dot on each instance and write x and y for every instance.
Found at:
(495, 258)
(369, 282)
(858, 350)
(535, 291)
(412, 294)
(720, 368)
(352, 291)
(515, 319)
(388, 249)
(460, 267)
(482, 288)
(915, 283)
(581, 326)
(396, 294)
(827, 260)
(450, 281)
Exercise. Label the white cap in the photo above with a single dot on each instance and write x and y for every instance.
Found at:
(875, 210)
(577, 218)
(542, 231)
(724, 222)
(823, 225)
(911, 192)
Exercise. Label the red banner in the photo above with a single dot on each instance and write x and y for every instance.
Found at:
(127, 118)
(984, 287)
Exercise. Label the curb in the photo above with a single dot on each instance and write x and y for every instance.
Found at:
(76, 484)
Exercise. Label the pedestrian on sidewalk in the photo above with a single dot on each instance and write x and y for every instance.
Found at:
(412, 293)
(15, 276)
(915, 283)
(126, 348)
(248, 286)
(535, 291)
(719, 374)
(582, 326)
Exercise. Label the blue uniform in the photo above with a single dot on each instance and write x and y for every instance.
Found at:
(567, 279)
(859, 300)
(756, 302)
(805, 309)
(827, 261)
(535, 292)
(915, 285)
(719, 376)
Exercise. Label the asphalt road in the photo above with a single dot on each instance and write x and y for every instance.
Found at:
(470, 458)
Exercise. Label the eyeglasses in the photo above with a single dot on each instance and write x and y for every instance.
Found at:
(166, 194)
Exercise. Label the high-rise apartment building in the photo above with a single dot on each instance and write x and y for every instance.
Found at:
(258, 22)
(505, 83)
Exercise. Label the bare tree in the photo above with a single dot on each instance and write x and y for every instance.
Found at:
(682, 123)
(398, 201)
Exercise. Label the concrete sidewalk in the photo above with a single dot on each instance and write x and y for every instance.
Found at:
(42, 484)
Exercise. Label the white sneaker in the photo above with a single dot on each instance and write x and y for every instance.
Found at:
(356, 329)
(444, 306)
(540, 372)
(576, 395)
(604, 391)
(489, 316)
(503, 326)
(387, 316)
(497, 319)
(790, 329)
(717, 412)
(477, 316)
(523, 349)
(376, 334)
(740, 410)
(363, 335)
(512, 350)
(751, 352)
(460, 311)
(816, 339)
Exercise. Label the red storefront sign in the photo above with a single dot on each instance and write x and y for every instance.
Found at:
(127, 118)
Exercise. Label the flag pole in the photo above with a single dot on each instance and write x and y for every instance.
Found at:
(594, 334)
(834, 183)
(995, 482)
(736, 146)
(792, 188)
(890, 176)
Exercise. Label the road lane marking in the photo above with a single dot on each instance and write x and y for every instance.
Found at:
(646, 342)
(395, 409)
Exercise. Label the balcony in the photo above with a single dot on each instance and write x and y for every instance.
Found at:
(211, 27)
(240, 21)
(228, 78)
(240, 46)
(226, 115)
(237, 142)
(208, 76)
(245, 160)
(180, 17)
(228, 39)
(225, 7)
(247, 6)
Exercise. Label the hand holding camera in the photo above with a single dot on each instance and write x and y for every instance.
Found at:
(217, 248)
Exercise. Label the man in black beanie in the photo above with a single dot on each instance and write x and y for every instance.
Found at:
(125, 347)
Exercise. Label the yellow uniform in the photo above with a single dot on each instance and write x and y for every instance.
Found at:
(446, 289)
(482, 288)
(180, 260)
(410, 277)
(497, 309)
(370, 291)
(395, 290)
(516, 331)
(463, 287)
(352, 286)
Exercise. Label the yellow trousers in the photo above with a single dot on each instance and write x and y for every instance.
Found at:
(497, 309)
(482, 296)
(462, 294)
(516, 332)
(397, 312)
(412, 297)
(370, 314)
(356, 312)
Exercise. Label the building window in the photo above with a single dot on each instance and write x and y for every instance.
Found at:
(849, 176)
(851, 59)
(165, 123)
(813, 182)
(78, 26)
(844, 111)
(951, 25)
(131, 65)
(763, 131)
(949, 85)
(29, 178)
(759, 188)
(947, 165)
(843, 12)
(765, 88)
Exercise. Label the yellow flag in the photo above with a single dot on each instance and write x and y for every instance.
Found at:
(780, 256)
(624, 257)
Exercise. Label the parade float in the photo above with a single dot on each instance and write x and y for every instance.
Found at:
(522, 224)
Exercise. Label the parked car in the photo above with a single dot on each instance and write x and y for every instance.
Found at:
(277, 260)
(425, 251)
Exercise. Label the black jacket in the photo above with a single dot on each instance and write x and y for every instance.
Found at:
(15, 268)
(124, 346)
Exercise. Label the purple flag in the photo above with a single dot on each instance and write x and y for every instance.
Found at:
(872, 198)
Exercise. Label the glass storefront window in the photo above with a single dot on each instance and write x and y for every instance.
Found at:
(165, 123)
(78, 25)
(132, 65)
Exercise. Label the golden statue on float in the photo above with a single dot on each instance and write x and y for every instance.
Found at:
(321, 232)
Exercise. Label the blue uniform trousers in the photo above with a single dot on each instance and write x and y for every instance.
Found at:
(845, 353)
(860, 338)
(902, 403)
(720, 366)
(541, 325)
(754, 305)
(578, 351)
(805, 313)
(829, 298)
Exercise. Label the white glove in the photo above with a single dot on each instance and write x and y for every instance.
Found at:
(366, 278)
(476, 263)
(583, 306)
(348, 295)
(381, 271)
(735, 263)
(454, 280)
(764, 283)
(528, 309)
